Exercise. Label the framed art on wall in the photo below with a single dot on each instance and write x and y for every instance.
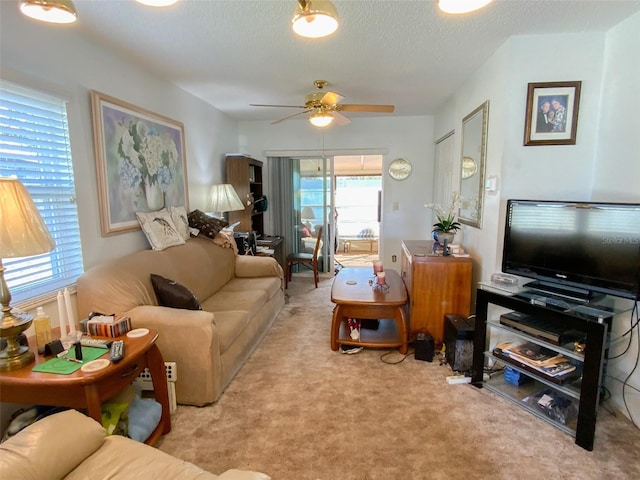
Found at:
(552, 113)
(140, 162)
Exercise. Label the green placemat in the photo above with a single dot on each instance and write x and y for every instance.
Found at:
(65, 367)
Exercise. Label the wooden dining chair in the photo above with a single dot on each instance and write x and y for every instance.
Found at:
(309, 260)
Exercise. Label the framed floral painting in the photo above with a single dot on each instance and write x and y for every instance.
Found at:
(552, 113)
(140, 162)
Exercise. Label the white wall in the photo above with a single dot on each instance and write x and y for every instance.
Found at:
(407, 137)
(55, 58)
(603, 165)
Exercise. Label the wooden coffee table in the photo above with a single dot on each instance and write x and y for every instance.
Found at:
(356, 298)
(82, 390)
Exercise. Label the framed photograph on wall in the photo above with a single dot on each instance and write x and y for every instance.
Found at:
(140, 162)
(552, 113)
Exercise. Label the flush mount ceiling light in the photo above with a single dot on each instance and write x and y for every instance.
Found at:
(321, 119)
(52, 11)
(157, 3)
(461, 6)
(314, 18)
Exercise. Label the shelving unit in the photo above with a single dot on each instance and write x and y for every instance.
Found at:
(582, 390)
(245, 174)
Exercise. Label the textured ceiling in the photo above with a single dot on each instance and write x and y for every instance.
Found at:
(232, 53)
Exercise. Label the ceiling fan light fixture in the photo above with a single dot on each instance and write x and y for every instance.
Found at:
(157, 3)
(321, 119)
(51, 11)
(314, 18)
(457, 7)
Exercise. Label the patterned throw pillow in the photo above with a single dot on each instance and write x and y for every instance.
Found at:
(179, 217)
(173, 294)
(209, 226)
(159, 229)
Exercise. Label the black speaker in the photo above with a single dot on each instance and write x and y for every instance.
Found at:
(424, 347)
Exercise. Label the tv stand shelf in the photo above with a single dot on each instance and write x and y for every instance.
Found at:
(582, 391)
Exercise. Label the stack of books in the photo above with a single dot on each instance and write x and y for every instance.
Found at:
(106, 326)
(537, 359)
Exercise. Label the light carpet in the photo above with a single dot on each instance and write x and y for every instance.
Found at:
(297, 410)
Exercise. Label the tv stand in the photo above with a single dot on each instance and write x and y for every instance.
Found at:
(583, 393)
(573, 293)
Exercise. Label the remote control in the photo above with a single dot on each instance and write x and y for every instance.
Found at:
(117, 351)
(94, 342)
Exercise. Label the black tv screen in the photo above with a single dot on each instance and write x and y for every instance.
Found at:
(589, 246)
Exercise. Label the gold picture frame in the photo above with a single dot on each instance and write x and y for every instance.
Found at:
(140, 162)
(552, 113)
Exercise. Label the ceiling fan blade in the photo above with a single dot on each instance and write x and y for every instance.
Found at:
(290, 116)
(340, 119)
(331, 98)
(283, 106)
(366, 108)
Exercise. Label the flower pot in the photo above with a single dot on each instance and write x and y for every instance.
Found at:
(154, 194)
(446, 237)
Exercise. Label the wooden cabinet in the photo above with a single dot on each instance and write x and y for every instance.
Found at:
(437, 286)
(245, 174)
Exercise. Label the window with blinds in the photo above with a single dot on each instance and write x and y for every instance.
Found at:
(34, 146)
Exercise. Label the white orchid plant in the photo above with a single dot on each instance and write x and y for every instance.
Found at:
(446, 218)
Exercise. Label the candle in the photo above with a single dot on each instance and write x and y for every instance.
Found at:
(381, 279)
(62, 315)
(377, 266)
(70, 315)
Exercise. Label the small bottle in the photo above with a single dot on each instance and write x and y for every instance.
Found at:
(42, 325)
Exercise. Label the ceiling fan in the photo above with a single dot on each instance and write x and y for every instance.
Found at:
(324, 107)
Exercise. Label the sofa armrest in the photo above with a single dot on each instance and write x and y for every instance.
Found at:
(189, 338)
(250, 266)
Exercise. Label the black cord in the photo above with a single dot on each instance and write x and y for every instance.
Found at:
(634, 311)
(382, 357)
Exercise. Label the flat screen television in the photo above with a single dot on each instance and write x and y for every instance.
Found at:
(582, 248)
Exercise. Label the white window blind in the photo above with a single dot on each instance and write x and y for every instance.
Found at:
(34, 146)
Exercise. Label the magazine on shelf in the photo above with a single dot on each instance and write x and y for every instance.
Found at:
(557, 366)
(531, 353)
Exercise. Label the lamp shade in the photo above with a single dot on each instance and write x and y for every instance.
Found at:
(321, 119)
(157, 3)
(223, 198)
(22, 231)
(52, 11)
(307, 213)
(314, 18)
(461, 6)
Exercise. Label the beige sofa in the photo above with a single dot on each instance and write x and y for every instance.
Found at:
(71, 446)
(240, 295)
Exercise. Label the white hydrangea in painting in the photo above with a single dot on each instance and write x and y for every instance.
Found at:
(147, 160)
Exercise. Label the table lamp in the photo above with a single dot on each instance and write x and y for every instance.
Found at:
(22, 234)
(223, 198)
(307, 214)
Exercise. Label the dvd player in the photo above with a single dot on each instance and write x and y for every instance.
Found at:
(543, 329)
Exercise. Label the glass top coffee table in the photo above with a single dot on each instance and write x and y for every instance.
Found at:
(356, 297)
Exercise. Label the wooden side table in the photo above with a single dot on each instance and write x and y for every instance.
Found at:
(355, 298)
(277, 245)
(88, 391)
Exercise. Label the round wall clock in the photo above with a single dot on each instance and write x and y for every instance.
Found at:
(399, 169)
(469, 167)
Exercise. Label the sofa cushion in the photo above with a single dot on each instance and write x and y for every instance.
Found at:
(159, 229)
(179, 217)
(207, 225)
(51, 447)
(173, 294)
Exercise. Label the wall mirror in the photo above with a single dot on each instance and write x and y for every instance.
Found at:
(472, 165)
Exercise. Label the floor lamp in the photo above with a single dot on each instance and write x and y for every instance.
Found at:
(22, 234)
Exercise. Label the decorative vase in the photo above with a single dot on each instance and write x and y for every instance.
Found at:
(446, 237)
(154, 194)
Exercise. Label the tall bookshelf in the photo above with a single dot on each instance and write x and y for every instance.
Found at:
(245, 174)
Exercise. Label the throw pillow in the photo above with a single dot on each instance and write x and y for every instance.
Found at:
(179, 217)
(159, 228)
(173, 294)
(209, 226)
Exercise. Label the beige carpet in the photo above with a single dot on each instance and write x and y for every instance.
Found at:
(298, 410)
